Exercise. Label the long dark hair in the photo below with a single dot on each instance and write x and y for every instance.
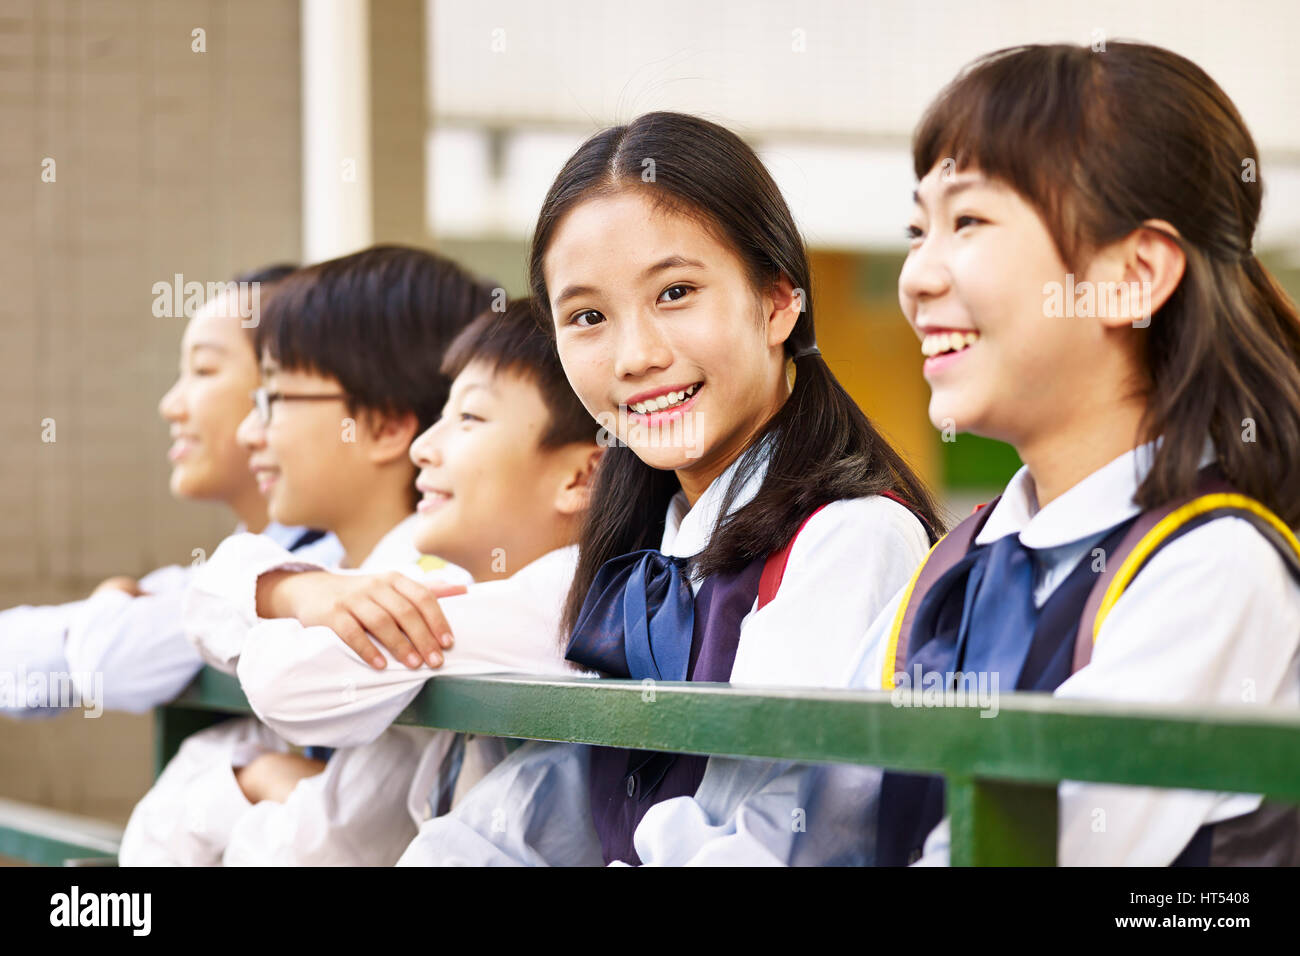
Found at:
(823, 448)
(1100, 142)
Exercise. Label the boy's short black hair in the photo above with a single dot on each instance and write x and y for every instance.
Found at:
(513, 340)
(378, 321)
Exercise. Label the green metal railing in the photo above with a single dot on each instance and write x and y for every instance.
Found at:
(52, 838)
(1001, 771)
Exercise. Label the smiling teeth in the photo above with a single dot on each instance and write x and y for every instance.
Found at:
(664, 401)
(936, 343)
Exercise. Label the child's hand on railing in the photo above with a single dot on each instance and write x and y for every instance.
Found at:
(365, 611)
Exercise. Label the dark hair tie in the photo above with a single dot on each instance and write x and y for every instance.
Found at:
(810, 350)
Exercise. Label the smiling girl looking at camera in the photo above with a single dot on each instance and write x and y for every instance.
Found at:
(677, 287)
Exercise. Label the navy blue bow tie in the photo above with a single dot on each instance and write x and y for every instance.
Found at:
(637, 619)
(1002, 612)
(998, 614)
(978, 618)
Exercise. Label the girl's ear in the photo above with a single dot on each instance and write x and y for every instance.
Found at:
(1154, 260)
(781, 306)
(579, 474)
(389, 436)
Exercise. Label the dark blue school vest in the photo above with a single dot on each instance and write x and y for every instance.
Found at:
(911, 805)
(625, 784)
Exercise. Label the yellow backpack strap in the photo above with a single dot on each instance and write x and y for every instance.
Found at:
(430, 562)
(1155, 529)
(945, 552)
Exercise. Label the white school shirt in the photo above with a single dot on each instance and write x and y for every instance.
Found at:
(846, 562)
(220, 605)
(196, 807)
(1214, 618)
(311, 688)
(132, 650)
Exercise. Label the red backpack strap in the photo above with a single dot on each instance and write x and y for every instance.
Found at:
(929, 532)
(774, 568)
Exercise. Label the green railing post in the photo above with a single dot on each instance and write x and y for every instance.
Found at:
(171, 725)
(1000, 823)
(210, 699)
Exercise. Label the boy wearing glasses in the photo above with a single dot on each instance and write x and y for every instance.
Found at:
(506, 475)
(351, 357)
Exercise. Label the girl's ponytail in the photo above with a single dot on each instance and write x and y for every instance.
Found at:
(1234, 375)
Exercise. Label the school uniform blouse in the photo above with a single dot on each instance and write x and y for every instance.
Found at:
(312, 689)
(292, 674)
(220, 605)
(845, 564)
(135, 645)
(1214, 618)
(196, 811)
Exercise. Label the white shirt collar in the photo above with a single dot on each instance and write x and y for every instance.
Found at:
(1094, 505)
(395, 549)
(282, 534)
(687, 530)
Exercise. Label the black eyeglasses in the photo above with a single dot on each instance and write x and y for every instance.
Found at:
(264, 400)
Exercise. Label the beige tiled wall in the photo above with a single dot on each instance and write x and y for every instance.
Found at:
(167, 160)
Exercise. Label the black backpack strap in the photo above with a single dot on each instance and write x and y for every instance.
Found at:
(1155, 529)
(945, 553)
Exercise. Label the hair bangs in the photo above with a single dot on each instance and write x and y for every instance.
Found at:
(515, 342)
(1017, 116)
